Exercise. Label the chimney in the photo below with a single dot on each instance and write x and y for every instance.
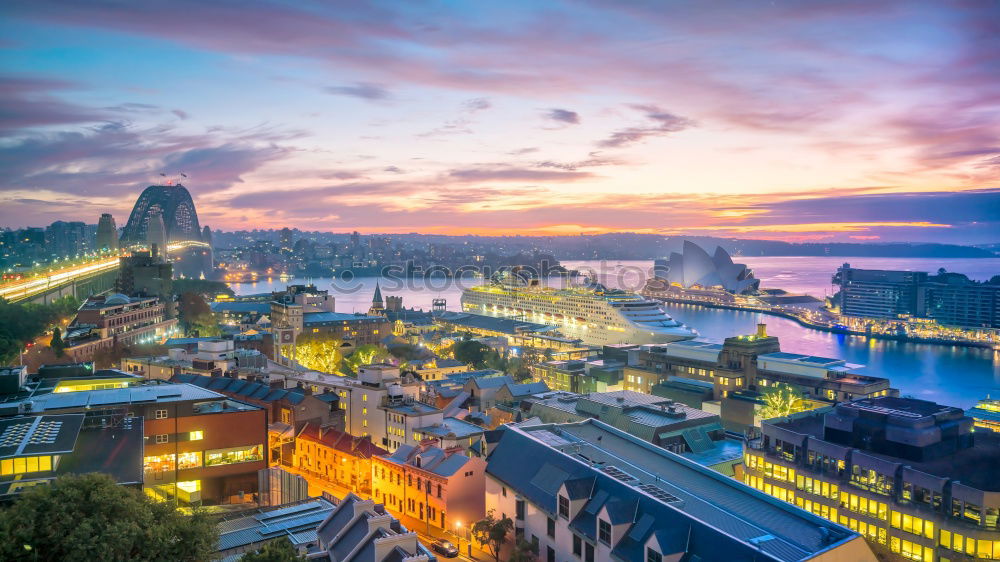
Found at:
(456, 450)
(762, 330)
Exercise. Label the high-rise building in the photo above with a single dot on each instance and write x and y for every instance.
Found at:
(146, 274)
(107, 233)
(910, 475)
(156, 233)
(285, 241)
(173, 203)
(66, 239)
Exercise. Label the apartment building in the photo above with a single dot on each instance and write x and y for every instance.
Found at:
(336, 456)
(440, 486)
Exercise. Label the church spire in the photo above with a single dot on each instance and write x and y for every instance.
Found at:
(377, 309)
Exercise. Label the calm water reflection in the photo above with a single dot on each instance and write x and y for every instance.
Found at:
(951, 375)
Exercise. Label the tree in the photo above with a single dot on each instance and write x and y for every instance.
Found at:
(56, 343)
(21, 323)
(275, 551)
(90, 517)
(319, 352)
(204, 287)
(779, 401)
(365, 355)
(523, 551)
(491, 532)
(195, 315)
(470, 352)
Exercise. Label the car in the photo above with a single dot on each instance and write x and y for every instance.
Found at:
(444, 548)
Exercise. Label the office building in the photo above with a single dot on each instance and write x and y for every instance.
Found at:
(581, 376)
(35, 450)
(146, 274)
(910, 475)
(950, 299)
(439, 486)
(587, 491)
(104, 322)
(753, 363)
(107, 233)
(66, 239)
(200, 446)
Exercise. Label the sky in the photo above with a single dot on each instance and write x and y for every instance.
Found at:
(801, 121)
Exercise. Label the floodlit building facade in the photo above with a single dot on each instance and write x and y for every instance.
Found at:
(909, 475)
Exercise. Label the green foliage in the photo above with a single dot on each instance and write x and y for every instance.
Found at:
(90, 517)
(195, 315)
(408, 352)
(274, 551)
(471, 352)
(204, 287)
(523, 551)
(320, 352)
(56, 343)
(779, 400)
(365, 355)
(22, 323)
(492, 531)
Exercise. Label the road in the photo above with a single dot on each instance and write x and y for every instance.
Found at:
(318, 485)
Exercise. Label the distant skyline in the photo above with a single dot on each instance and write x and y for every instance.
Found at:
(844, 121)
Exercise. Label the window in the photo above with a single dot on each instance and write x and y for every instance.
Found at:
(159, 463)
(503, 491)
(25, 465)
(550, 529)
(653, 556)
(589, 553)
(196, 435)
(604, 531)
(160, 414)
(564, 507)
(162, 438)
(234, 455)
(189, 460)
(577, 545)
(550, 554)
(519, 510)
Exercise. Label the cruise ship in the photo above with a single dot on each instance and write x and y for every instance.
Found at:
(596, 315)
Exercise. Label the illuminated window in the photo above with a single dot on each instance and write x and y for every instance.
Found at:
(189, 460)
(196, 435)
(23, 465)
(250, 453)
(364, 397)
(159, 463)
(162, 438)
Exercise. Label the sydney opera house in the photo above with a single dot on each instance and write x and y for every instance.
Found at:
(694, 268)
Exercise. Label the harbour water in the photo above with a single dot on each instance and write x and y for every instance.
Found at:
(950, 375)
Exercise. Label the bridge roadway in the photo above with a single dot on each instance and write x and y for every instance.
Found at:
(44, 282)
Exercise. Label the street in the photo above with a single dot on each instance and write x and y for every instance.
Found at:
(318, 485)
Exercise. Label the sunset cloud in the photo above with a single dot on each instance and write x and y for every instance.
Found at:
(852, 120)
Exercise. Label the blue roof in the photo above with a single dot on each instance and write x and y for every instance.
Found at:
(241, 307)
(321, 317)
(245, 389)
(692, 508)
(298, 523)
(452, 426)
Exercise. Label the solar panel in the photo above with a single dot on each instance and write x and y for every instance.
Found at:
(617, 473)
(658, 493)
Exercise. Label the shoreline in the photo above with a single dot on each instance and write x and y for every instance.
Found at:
(821, 327)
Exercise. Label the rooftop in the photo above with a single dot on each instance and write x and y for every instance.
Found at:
(508, 326)
(452, 427)
(150, 393)
(718, 518)
(296, 521)
(322, 317)
(429, 458)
